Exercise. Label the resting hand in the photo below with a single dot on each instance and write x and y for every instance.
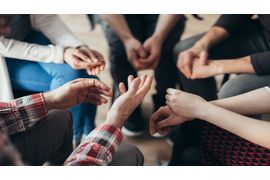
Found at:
(76, 92)
(163, 120)
(153, 47)
(129, 99)
(184, 104)
(135, 51)
(85, 58)
(186, 59)
(211, 69)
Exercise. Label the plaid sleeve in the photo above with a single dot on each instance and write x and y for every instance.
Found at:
(22, 114)
(98, 148)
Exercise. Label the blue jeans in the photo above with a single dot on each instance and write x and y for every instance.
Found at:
(40, 77)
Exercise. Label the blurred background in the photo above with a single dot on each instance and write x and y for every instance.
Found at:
(154, 150)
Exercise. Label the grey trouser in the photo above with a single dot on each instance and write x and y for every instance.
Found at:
(248, 40)
(51, 141)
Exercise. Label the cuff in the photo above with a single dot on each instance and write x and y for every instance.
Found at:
(108, 136)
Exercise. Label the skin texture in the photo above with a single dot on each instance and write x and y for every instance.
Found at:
(142, 55)
(129, 99)
(225, 113)
(85, 58)
(78, 91)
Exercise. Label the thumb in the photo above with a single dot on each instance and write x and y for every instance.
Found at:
(142, 53)
(203, 57)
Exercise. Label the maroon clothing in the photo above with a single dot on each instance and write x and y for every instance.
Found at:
(220, 147)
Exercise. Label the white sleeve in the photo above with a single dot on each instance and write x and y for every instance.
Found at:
(33, 52)
(55, 30)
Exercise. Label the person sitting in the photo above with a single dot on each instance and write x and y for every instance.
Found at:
(42, 54)
(140, 42)
(44, 139)
(234, 44)
(233, 138)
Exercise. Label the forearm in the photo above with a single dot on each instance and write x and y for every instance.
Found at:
(29, 51)
(250, 129)
(165, 24)
(22, 114)
(53, 27)
(240, 65)
(212, 37)
(119, 25)
(251, 103)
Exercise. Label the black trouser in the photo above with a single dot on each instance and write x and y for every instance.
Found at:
(50, 141)
(249, 39)
(142, 27)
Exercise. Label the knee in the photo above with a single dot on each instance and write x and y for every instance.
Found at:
(62, 120)
(231, 88)
(128, 155)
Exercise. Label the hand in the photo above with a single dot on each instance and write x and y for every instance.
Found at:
(163, 120)
(76, 92)
(95, 57)
(211, 69)
(185, 104)
(153, 47)
(80, 59)
(127, 102)
(135, 51)
(186, 59)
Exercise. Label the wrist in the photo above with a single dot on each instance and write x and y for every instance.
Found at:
(115, 119)
(218, 66)
(49, 100)
(202, 110)
(201, 45)
(159, 37)
(127, 37)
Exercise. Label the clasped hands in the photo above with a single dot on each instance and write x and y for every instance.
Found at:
(194, 63)
(143, 55)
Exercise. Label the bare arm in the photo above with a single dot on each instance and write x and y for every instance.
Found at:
(251, 103)
(119, 25)
(212, 37)
(165, 24)
(248, 128)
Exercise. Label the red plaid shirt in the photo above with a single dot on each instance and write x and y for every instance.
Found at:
(24, 113)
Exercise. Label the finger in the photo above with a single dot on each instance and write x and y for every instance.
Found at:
(187, 68)
(88, 82)
(143, 79)
(154, 119)
(168, 98)
(97, 98)
(130, 79)
(142, 53)
(78, 64)
(134, 86)
(122, 88)
(100, 91)
(171, 91)
(145, 87)
(203, 58)
(79, 53)
(168, 122)
(89, 71)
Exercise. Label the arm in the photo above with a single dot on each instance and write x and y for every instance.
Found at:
(34, 52)
(224, 26)
(164, 25)
(133, 46)
(100, 145)
(192, 106)
(153, 44)
(119, 25)
(253, 130)
(216, 67)
(55, 29)
(22, 114)
(25, 113)
(251, 103)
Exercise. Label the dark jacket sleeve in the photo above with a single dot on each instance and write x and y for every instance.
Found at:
(231, 22)
(261, 63)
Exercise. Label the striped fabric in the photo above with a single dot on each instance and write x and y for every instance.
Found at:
(22, 114)
(98, 148)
